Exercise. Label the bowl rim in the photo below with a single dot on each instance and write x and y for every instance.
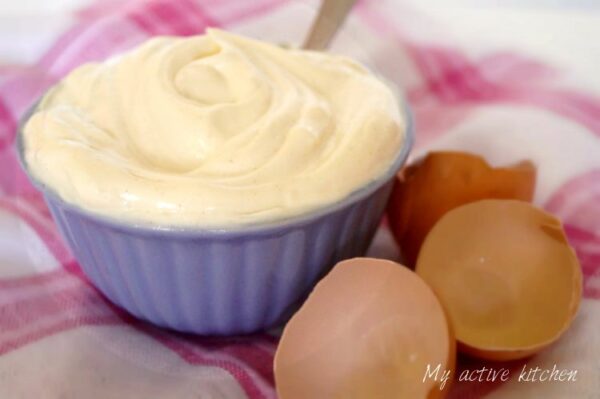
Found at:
(265, 227)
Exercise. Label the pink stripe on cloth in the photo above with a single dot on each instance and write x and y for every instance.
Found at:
(36, 306)
(453, 79)
(101, 9)
(254, 386)
(449, 75)
(508, 66)
(433, 121)
(34, 280)
(20, 90)
(255, 351)
(581, 108)
(13, 181)
(577, 203)
(65, 325)
(91, 41)
(587, 247)
(167, 17)
(64, 41)
(61, 303)
(7, 126)
(40, 221)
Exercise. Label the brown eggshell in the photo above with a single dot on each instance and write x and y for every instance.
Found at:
(441, 181)
(368, 330)
(506, 276)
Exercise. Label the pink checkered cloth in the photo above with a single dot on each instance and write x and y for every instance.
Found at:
(60, 338)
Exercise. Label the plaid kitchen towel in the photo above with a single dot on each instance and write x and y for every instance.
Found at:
(60, 338)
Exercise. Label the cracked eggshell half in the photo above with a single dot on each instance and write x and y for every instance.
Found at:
(368, 330)
(442, 181)
(506, 276)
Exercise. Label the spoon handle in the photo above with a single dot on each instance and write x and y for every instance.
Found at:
(332, 14)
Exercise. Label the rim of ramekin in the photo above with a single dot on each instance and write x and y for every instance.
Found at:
(265, 227)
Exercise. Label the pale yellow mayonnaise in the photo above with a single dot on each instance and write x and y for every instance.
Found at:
(213, 130)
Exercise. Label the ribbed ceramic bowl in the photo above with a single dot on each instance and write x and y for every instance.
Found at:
(220, 281)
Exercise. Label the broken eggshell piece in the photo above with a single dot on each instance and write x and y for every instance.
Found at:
(369, 330)
(506, 276)
(426, 190)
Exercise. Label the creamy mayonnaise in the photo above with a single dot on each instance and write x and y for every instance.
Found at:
(213, 130)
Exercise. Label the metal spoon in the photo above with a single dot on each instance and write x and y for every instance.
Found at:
(332, 15)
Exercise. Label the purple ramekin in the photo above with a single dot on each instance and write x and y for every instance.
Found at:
(224, 280)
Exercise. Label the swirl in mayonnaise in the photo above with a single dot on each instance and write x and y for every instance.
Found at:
(213, 130)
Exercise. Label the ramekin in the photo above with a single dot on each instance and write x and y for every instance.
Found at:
(220, 281)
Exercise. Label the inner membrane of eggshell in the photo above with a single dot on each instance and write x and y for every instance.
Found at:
(505, 274)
